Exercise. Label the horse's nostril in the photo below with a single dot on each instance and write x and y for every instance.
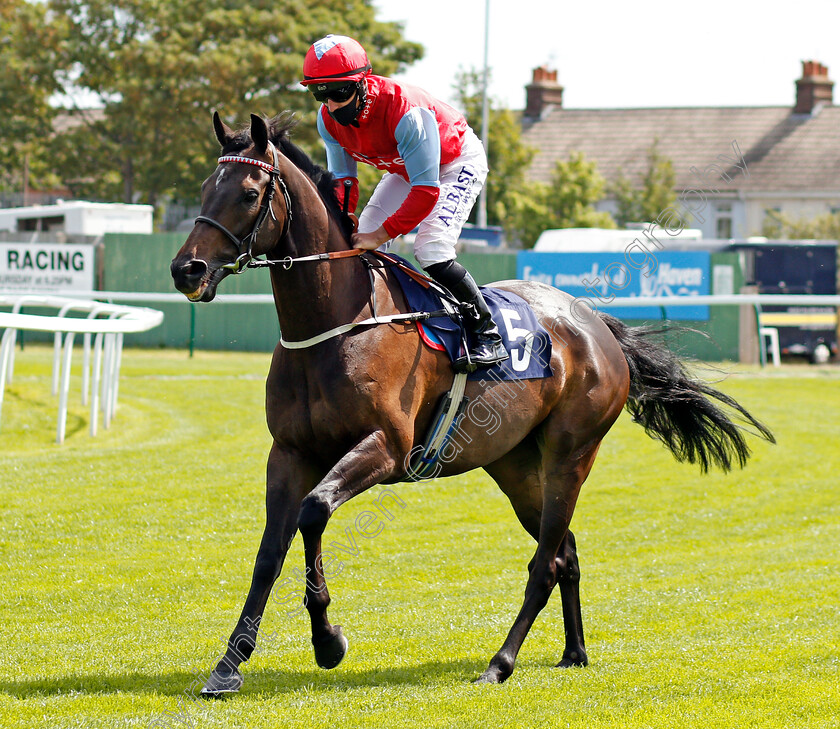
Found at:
(196, 268)
(187, 276)
(192, 269)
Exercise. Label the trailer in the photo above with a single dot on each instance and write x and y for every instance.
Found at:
(794, 267)
(78, 217)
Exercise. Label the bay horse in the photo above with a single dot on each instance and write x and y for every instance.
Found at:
(346, 412)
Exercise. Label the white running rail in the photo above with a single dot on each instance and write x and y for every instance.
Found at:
(712, 300)
(106, 324)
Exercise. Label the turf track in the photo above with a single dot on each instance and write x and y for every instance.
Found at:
(707, 601)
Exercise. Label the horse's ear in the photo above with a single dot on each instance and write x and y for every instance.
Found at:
(223, 132)
(259, 133)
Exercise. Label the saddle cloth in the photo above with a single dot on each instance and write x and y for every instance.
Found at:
(525, 339)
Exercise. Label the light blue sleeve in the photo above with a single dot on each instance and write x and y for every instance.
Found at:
(418, 142)
(339, 162)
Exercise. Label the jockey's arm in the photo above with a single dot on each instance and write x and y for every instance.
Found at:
(418, 142)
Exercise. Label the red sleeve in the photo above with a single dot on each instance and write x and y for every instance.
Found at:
(340, 190)
(416, 206)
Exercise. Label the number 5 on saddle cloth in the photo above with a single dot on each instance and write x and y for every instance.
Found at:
(525, 339)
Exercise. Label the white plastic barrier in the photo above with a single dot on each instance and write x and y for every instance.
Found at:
(726, 300)
(107, 347)
(754, 300)
(710, 299)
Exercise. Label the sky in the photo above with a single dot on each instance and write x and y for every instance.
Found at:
(612, 54)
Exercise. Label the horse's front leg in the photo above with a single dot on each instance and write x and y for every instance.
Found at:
(288, 480)
(369, 463)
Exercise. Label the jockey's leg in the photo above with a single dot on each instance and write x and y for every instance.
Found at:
(461, 182)
(486, 348)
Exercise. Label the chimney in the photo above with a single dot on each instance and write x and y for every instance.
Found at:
(542, 92)
(813, 88)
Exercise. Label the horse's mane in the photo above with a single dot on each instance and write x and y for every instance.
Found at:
(279, 130)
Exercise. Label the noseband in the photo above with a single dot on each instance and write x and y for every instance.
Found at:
(245, 245)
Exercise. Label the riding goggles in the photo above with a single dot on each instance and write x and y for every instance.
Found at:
(337, 92)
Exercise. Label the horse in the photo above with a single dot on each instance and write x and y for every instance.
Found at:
(352, 389)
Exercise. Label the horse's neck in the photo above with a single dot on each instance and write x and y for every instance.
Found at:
(315, 296)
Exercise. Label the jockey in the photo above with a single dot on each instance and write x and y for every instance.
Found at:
(435, 167)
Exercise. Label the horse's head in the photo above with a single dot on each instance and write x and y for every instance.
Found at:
(244, 212)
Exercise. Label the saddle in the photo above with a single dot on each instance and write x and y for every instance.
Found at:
(525, 339)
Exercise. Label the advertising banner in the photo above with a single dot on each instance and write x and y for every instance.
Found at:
(600, 277)
(46, 268)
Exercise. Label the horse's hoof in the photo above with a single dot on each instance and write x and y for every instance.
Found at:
(220, 685)
(329, 653)
(491, 675)
(573, 660)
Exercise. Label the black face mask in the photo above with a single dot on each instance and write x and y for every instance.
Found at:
(347, 114)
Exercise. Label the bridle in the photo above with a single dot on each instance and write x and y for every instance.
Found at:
(245, 259)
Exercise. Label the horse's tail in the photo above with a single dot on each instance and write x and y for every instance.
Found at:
(677, 409)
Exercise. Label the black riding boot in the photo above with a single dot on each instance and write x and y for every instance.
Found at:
(486, 348)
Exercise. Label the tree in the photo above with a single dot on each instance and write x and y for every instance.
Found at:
(638, 205)
(568, 202)
(508, 156)
(29, 60)
(524, 208)
(778, 226)
(159, 69)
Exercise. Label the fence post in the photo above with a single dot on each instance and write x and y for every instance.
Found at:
(192, 330)
(748, 349)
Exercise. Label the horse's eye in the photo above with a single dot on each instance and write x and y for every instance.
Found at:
(250, 196)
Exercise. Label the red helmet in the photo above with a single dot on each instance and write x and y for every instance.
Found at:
(335, 58)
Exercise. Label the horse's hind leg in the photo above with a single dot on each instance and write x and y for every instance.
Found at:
(520, 476)
(555, 559)
(568, 579)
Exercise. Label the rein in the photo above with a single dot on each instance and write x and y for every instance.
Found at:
(449, 303)
(245, 259)
(286, 263)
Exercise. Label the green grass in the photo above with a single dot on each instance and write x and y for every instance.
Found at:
(708, 601)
